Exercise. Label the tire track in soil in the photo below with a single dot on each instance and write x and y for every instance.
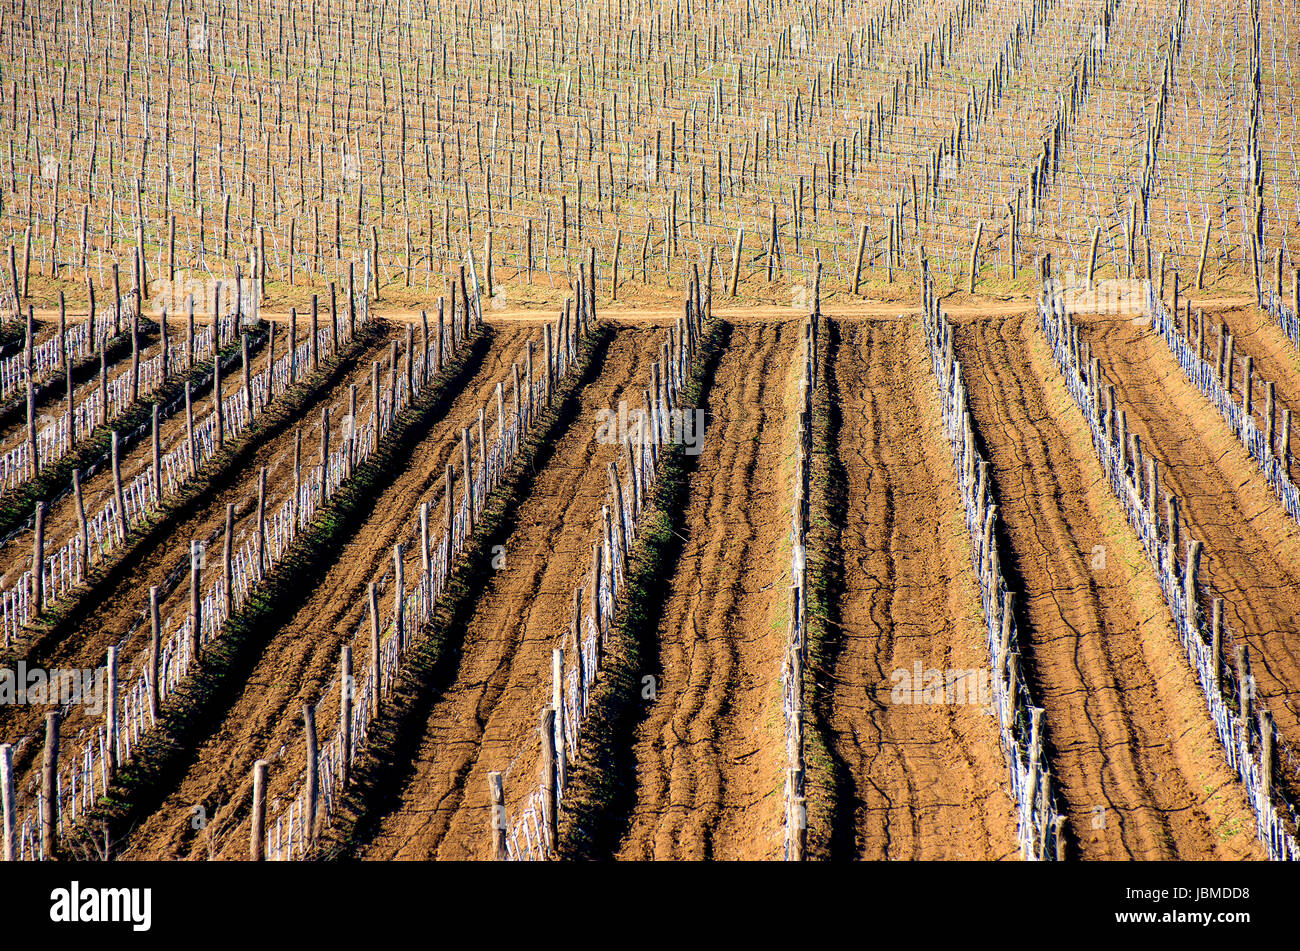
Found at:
(1252, 548)
(1124, 717)
(487, 718)
(927, 779)
(120, 614)
(300, 659)
(710, 751)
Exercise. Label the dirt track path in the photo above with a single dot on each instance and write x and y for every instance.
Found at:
(487, 718)
(1131, 749)
(1252, 548)
(301, 658)
(664, 310)
(926, 779)
(709, 754)
(119, 616)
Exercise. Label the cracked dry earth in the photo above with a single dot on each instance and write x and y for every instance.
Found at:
(1130, 747)
(709, 752)
(915, 780)
(486, 719)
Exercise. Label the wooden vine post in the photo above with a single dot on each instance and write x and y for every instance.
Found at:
(8, 795)
(118, 497)
(227, 563)
(346, 693)
(312, 797)
(110, 715)
(496, 814)
(549, 805)
(83, 526)
(257, 827)
(50, 784)
(218, 407)
(155, 654)
(196, 600)
(372, 598)
(38, 562)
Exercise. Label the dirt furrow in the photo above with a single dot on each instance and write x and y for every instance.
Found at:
(486, 719)
(51, 390)
(1257, 335)
(136, 458)
(709, 751)
(1252, 548)
(1130, 746)
(921, 778)
(300, 658)
(52, 400)
(118, 615)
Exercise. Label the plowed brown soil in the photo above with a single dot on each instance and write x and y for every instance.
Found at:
(487, 718)
(927, 779)
(137, 457)
(1130, 746)
(54, 402)
(709, 753)
(301, 657)
(119, 617)
(1252, 547)
(1257, 334)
